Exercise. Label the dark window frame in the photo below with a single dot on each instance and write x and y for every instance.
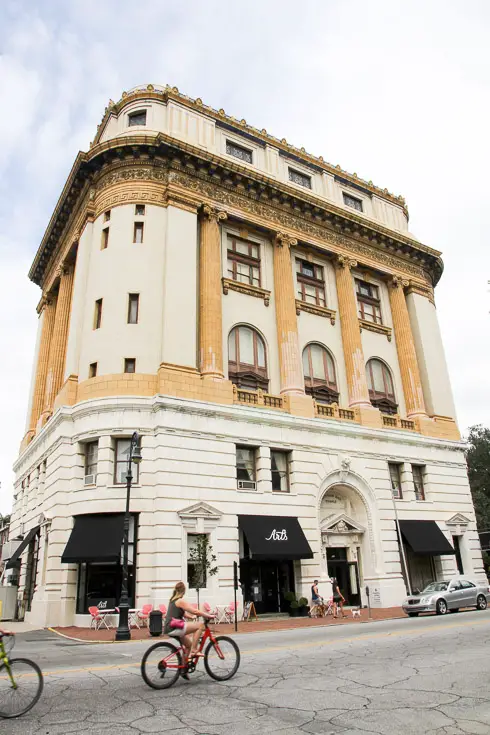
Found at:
(394, 469)
(92, 370)
(386, 401)
(137, 114)
(246, 375)
(127, 361)
(133, 298)
(98, 313)
(317, 281)
(418, 482)
(326, 390)
(352, 202)
(242, 467)
(135, 468)
(231, 146)
(299, 178)
(90, 462)
(107, 215)
(139, 227)
(251, 261)
(277, 475)
(141, 208)
(104, 238)
(372, 299)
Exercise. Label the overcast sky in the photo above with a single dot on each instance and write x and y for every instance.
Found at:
(396, 91)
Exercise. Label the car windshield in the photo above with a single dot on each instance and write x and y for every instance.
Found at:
(436, 587)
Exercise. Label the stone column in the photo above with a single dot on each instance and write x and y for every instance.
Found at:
(290, 364)
(57, 351)
(48, 311)
(405, 347)
(355, 367)
(210, 322)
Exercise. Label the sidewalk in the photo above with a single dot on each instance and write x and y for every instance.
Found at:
(107, 636)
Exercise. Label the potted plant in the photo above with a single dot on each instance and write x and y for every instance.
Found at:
(303, 607)
(294, 609)
(290, 597)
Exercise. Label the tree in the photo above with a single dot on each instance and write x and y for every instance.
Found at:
(201, 560)
(478, 459)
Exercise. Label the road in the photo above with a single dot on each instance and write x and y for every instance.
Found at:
(425, 675)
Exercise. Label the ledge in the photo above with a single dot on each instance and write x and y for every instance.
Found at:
(378, 328)
(396, 422)
(259, 293)
(318, 310)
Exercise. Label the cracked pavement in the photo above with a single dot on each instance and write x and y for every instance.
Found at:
(426, 675)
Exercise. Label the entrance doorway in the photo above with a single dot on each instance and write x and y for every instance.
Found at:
(265, 583)
(420, 569)
(346, 573)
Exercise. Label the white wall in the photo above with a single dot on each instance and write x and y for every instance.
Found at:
(78, 304)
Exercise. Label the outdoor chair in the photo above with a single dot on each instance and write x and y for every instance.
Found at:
(97, 620)
(163, 609)
(143, 615)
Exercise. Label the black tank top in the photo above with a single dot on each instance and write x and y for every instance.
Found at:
(172, 612)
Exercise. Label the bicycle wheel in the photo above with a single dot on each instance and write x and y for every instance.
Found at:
(222, 658)
(160, 666)
(19, 697)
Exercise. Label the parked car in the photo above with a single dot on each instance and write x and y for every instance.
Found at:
(449, 595)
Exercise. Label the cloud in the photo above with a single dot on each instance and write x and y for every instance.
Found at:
(396, 91)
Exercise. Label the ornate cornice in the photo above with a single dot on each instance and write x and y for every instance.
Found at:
(248, 289)
(377, 328)
(179, 170)
(317, 310)
(262, 137)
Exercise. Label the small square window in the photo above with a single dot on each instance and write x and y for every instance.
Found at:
(298, 178)
(98, 314)
(353, 202)
(137, 118)
(244, 154)
(133, 308)
(138, 232)
(139, 210)
(130, 365)
(104, 242)
(107, 215)
(92, 370)
(280, 472)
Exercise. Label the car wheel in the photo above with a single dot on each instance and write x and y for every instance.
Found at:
(481, 602)
(441, 607)
(412, 615)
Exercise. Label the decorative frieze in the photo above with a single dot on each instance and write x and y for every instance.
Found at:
(377, 328)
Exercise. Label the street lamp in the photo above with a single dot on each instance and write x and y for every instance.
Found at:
(123, 633)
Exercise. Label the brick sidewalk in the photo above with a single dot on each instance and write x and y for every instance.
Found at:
(107, 636)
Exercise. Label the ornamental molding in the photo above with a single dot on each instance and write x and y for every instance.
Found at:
(377, 328)
(245, 288)
(342, 524)
(458, 520)
(317, 310)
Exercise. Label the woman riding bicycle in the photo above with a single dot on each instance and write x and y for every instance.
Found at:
(176, 626)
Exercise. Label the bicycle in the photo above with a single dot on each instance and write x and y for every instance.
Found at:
(164, 662)
(21, 681)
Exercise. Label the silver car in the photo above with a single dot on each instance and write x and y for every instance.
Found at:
(451, 595)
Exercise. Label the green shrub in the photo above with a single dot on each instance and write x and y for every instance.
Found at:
(290, 597)
(302, 602)
(294, 605)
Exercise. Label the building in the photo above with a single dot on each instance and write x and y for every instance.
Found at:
(266, 322)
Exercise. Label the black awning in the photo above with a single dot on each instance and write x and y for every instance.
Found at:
(95, 538)
(14, 559)
(425, 538)
(275, 537)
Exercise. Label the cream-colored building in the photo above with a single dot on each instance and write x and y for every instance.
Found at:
(266, 322)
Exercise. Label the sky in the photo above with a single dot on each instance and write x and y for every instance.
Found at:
(396, 91)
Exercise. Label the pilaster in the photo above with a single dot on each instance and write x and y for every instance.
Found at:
(211, 322)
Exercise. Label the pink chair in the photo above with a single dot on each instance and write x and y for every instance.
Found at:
(144, 614)
(163, 609)
(207, 608)
(230, 612)
(97, 620)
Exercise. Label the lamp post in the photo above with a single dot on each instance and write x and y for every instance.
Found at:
(123, 633)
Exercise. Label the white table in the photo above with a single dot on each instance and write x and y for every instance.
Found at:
(221, 616)
(104, 614)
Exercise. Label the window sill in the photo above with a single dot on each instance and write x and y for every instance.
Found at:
(246, 288)
(378, 328)
(313, 309)
(244, 490)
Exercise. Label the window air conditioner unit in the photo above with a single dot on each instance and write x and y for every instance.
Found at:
(246, 485)
(89, 480)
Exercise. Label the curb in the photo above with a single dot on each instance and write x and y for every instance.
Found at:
(241, 632)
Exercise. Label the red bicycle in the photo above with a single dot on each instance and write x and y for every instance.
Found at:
(164, 662)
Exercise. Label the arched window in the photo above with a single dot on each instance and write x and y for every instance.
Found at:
(247, 362)
(319, 372)
(380, 384)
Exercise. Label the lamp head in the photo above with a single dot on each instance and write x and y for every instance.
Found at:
(137, 454)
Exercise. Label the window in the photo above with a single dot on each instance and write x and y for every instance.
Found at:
(396, 482)
(280, 472)
(245, 467)
(418, 481)
(247, 366)
(380, 384)
(467, 585)
(91, 456)
(139, 210)
(311, 283)
(137, 118)
(243, 261)
(121, 465)
(129, 365)
(368, 302)
(138, 232)
(98, 314)
(107, 215)
(353, 202)
(319, 373)
(298, 178)
(104, 242)
(133, 308)
(459, 558)
(196, 573)
(244, 154)
(92, 370)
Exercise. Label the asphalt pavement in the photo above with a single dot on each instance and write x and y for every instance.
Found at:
(424, 675)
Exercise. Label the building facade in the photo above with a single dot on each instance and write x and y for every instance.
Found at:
(266, 322)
